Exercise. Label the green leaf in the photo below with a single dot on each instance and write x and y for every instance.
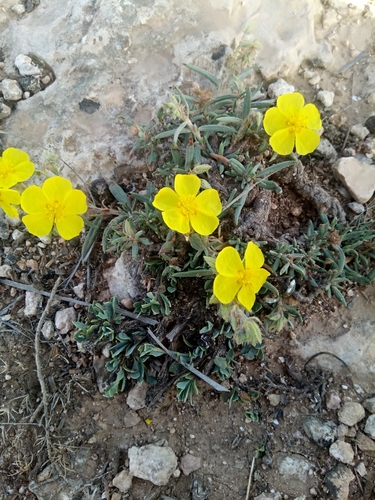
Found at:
(216, 128)
(246, 107)
(203, 73)
(275, 168)
(271, 186)
(197, 242)
(119, 193)
(193, 274)
(170, 133)
(210, 261)
(91, 238)
(339, 296)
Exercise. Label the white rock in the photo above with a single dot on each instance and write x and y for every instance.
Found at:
(358, 177)
(190, 463)
(274, 399)
(19, 9)
(17, 234)
(4, 111)
(356, 208)
(370, 426)
(153, 463)
(11, 90)
(279, 88)
(25, 66)
(123, 278)
(351, 413)
(293, 465)
(79, 290)
(326, 97)
(123, 481)
(32, 302)
(64, 319)
(48, 330)
(359, 131)
(136, 398)
(315, 79)
(342, 451)
(361, 469)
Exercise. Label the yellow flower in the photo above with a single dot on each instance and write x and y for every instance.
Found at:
(183, 208)
(292, 124)
(15, 166)
(56, 202)
(236, 277)
(9, 197)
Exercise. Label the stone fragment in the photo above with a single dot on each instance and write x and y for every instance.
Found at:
(19, 9)
(123, 280)
(153, 463)
(369, 404)
(293, 465)
(333, 400)
(79, 290)
(359, 131)
(358, 177)
(338, 480)
(30, 84)
(116, 496)
(326, 97)
(361, 469)
(64, 319)
(11, 90)
(48, 330)
(321, 433)
(326, 149)
(5, 271)
(4, 110)
(279, 88)
(314, 80)
(274, 399)
(123, 481)
(269, 496)
(131, 419)
(370, 124)
(370, 426)
(365, 443)
(355, 207)
(136, 398)
(342, 431)
(190, 463)
(33, 301)
(351, 413)
(25, 66)
(342, 451)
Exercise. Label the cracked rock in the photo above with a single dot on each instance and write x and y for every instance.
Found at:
(338, 480)
(351, 413)
(321, 433)
(342, 451)
(64, 319)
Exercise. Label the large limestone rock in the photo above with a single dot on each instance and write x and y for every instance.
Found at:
(121, 58)
(358, 177)
(153, 463)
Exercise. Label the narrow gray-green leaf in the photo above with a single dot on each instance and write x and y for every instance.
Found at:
(275, 168)
(203, 73)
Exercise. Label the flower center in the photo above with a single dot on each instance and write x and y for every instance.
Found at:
(187, 206)
(296, 123)
(6, 169)
(55, 210)
(245, 277)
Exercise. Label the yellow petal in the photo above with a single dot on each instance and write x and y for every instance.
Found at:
(209, 201)
(312, 117)
(33, 200)
(246, 297)
(56, 188)
(166, 199)
(228, 262)
(22, 167)
(274, 120)
(10, 196)
(186, 185)
(258, 278)
(9, 210)
(38, 224)
(253, 256)
(175, 220)
(225, 289)
(290, 104)
(75, 202)
(307, 141)
(70, 226)
(283, 141)
(204, 223)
